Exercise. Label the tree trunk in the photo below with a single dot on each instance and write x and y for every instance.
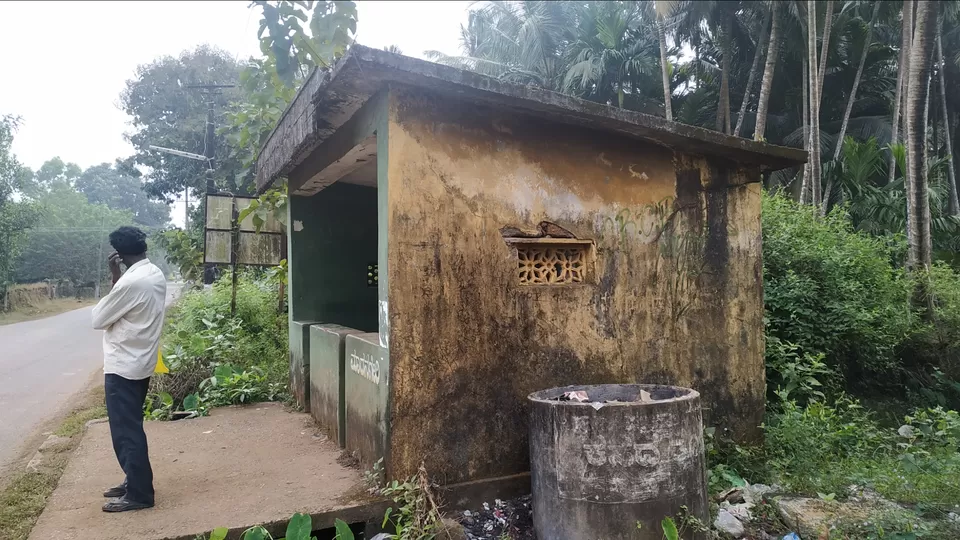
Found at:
(723, 104)
(725, 87)
(814, 103)
(805, 186)
(919, 244)
(906, 34)
(953, 207)
(770, 66)
(661, 34)
(723, 81)
(867, 41)
(933, 117)
(761, 45)
(824, 48)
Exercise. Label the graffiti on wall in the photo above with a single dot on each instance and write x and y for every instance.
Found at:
(365, 365)
(681, 244)
(615, 459)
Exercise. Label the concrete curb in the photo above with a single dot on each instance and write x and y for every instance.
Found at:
(55, 442)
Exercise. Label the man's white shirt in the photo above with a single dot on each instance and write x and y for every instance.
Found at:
(132, 319)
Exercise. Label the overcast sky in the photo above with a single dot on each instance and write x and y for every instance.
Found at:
(65, 63)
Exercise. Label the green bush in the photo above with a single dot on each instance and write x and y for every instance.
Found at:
(230, 386)
(936, 343)
(833, 293)
(200, 323)
(822, 450)
(201, 336)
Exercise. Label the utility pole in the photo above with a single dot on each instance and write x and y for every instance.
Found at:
(209, 152)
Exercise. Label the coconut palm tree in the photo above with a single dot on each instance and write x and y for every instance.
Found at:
(612, 52)
(664, 9)
(906, 36)
(919, 242)
(757, 55)
(828, 190)
(773, 54)
(813, 181)
(954, 204)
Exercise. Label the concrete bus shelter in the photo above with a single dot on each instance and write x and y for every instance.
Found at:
(457, 242)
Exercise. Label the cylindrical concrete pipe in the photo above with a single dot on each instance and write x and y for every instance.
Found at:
(614, 466)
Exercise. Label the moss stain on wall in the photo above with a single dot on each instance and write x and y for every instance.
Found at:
(676, 296)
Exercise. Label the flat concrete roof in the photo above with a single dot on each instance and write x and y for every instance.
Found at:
(329, 98)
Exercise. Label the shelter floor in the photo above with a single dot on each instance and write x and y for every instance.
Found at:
(238, 467)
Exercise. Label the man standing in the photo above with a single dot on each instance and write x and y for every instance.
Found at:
(132, 319)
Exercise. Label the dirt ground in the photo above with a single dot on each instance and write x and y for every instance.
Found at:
(238, 467)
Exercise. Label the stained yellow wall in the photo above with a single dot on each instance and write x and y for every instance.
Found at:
(676, 295)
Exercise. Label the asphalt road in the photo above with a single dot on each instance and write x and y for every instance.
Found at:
(43, 365)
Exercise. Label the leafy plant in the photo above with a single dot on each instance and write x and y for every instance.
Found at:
(184, 252)
(299, 527)
(796, 374)
(832, 299)
(230, 386)
(669, 527)
(270, 205)
(417, 516)
(201, 337)
(158, 407)
(343, 530)
(687, 522)
(269, 84)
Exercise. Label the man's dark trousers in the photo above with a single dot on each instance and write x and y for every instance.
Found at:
(125, 399)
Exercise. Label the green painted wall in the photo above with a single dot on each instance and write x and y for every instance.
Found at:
(366, 395)
(327, 382)
(333, 237)
(299, 336)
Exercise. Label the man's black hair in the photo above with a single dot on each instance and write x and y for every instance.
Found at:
(129, 241)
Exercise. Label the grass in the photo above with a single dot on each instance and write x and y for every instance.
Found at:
(74, 422)
(44, 309)
(24, 497)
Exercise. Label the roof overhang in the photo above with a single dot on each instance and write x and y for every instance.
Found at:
(329, 98)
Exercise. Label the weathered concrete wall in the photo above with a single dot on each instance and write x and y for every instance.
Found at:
(300, 362)
(366, 395)
(327, 382)
(673, 295)
(333, 239)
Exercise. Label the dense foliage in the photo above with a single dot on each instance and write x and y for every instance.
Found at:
(833, 291)
(861, 381)
(219, 358)
(77, 209)
(839, 302)
(16, 216)
(166, 112)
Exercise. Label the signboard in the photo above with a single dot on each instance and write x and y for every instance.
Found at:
(227, 242)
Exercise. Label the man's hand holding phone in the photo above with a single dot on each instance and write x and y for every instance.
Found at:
(115, 261)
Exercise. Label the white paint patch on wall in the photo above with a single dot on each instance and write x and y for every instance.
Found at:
(535, 193)
(384, 326)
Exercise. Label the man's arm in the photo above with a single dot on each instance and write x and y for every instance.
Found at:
(112, 307)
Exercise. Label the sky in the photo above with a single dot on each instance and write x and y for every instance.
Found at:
(64, 77)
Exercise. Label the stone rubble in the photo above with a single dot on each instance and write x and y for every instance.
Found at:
(729, 524)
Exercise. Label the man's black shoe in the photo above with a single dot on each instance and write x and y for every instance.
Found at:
(116, 492)
(123, 505)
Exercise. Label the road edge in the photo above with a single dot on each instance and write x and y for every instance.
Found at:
(24, 491)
